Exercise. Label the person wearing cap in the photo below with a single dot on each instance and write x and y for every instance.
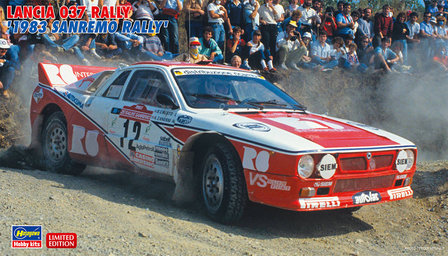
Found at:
(7, 70)
(427, 34)
(290, 47)
(193, 55)
(305, 62)
(151, 48)
(209, 47)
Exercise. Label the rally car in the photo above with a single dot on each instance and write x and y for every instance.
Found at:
(227, 133)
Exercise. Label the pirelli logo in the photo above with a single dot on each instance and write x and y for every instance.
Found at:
(400, 193)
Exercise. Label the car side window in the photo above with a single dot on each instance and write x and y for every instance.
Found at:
(116, 86)
(144, 87)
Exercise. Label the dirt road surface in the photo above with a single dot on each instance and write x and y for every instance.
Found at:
(118, 213)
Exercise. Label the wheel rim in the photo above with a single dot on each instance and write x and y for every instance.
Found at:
(213, 183)
(56, 143)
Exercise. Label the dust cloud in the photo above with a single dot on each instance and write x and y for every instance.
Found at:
(413, 106)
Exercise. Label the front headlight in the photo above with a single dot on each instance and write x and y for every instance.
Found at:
(411, 158)
(306, 166)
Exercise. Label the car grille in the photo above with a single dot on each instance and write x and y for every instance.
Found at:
(361, 163)
(348, 185)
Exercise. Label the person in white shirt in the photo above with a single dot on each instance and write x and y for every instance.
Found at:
(309, 16)
(268, 20)
(321, 53)
(290, 47)
(259, 55)
(217, 15)
(145, 10)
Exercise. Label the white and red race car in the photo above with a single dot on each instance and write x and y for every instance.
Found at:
(227, 132)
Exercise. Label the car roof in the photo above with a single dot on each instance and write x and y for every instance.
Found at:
(172, 64)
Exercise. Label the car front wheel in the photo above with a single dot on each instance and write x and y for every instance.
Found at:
(223, 186)
(54, 147)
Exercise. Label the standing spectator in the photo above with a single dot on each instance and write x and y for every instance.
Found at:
(432, 8)
(345, 22)
(384, 56)
(365, 27)
(355, 16)
(194, 16)
(268, 25)
(319, 8)
(235, 11)
(145, 10)
(209, 47)
(321, 52)
(414, 30)
(383, 25)
(309, 17)
(280, 16)
(170, 35)
(427, 33)
(251, 18)
(329, 23)
(400, 33)
(235, 44)
(441, 31)
(217, 15)
(88, 4)
(259, 55)
(7, 70)
(293, 5)
(294, 17)
(340, 8)
(290, 48)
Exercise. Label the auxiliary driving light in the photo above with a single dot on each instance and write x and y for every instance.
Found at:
(307, 192)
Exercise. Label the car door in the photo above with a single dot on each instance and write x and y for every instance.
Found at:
(138, 122)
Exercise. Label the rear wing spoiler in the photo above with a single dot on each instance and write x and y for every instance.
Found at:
(63, 74)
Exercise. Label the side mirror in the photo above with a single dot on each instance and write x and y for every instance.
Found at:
(166, 100)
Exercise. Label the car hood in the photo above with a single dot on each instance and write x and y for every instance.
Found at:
(301, 132)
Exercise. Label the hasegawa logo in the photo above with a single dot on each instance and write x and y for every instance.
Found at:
(319, 202)
(61, 240)
(400, 193)
(25, 236)
(366, 197)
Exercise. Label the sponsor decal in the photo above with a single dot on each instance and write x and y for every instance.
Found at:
(137, 113)
(144, 147)
(164, 115)
(184, 119)
(400, 193)
(143, 159)
(61, 240)
(165, 141)
(162, 162)
(327, 166)
(319, 202)
(401, 177)
(402, 161)
(73, 99)
(38, 95)
(263, 181)
(161, 152)
(259, 127)
(261, 160)
(148, 128)
(26, 236)
(366, 197)
(217, 72)
(90, 141)
(323, 184)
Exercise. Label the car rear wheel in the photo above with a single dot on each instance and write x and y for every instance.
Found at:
(223, 186)
(55, 146)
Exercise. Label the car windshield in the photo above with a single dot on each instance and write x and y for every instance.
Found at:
(217, 88)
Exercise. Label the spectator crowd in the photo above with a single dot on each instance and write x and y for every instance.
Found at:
(304, 34)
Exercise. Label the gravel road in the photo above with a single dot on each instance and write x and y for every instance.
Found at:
(118, 213)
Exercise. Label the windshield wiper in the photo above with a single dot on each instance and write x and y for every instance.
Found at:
(299, 107)
(212, 96)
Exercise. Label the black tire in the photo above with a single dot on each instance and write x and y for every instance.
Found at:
(55, 156)
(223, 186)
